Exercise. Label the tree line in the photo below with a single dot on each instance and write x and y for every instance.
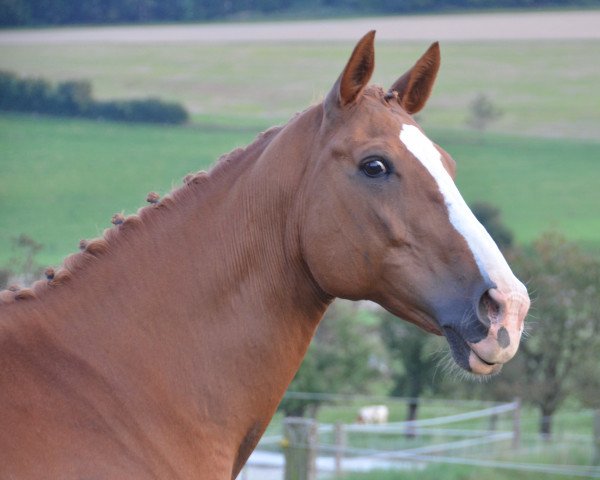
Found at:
(68, 12)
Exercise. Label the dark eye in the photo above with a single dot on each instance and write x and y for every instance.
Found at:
(374, 167)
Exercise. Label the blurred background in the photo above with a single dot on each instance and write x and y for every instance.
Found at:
(104, 101)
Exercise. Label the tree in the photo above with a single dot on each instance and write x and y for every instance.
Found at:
(342, 359)
(489, 216)
(5, 274)
(413, 362)
(565, 289)
(586, 379)
(482, 112)
(22, 267)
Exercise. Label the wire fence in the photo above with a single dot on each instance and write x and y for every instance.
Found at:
(483, 435)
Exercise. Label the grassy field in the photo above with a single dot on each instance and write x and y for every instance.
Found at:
(454, 472)
(62, 180)
(570, 420)
(544, 88)
(571, 443)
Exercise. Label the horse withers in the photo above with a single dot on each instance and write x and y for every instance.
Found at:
(162, 349)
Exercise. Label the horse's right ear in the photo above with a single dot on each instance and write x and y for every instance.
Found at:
(356, 74)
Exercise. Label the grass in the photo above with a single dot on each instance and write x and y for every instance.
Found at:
(571, 443)
(539, 184)
(62, 180)
(453, 472)
(569, 420)
(544, 88)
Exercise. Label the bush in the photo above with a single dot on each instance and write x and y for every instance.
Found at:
(23, 95)
(490, 217)
(482, 112)
(5, 274)
(74, 99)
(149, 110)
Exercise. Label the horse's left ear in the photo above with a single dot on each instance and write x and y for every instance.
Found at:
(414, 87)
(356, 74)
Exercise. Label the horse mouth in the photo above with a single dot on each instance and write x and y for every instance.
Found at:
(479, 366)
(466, 357)
(481, 359)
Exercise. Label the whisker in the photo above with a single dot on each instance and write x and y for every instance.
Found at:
(442, 354)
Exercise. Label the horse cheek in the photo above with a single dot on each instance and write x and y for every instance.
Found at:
(336, 261)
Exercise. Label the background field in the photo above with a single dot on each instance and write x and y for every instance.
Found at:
(545, 88)
(61, 180)
(570, 446)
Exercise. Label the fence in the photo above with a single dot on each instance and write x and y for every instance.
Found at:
(488, 437)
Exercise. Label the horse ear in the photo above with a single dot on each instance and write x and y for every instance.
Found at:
(356, 74)
(414, 87)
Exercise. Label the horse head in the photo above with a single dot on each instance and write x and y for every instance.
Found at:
(383, 219)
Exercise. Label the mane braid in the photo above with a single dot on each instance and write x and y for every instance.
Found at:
(91, 251)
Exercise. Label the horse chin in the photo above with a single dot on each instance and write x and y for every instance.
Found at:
(466, 357)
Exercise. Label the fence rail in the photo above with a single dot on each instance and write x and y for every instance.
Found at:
(341, 447)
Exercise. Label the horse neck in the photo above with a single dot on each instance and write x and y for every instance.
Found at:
(208, 297)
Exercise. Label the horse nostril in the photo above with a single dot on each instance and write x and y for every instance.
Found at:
(488, 310)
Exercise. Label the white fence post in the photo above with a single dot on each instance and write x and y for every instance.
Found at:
(596, 460)
(493, 423)
(516, 440)
(411, 430)
(340, 446)
(301, 448)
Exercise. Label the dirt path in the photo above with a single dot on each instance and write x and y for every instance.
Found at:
(464, 27)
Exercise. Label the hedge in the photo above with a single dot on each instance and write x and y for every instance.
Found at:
(74, 99)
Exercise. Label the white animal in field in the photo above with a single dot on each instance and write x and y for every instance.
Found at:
(373, 414)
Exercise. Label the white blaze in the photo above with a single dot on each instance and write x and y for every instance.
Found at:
(488, 257)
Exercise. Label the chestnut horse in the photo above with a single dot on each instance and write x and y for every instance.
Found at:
(162, 350)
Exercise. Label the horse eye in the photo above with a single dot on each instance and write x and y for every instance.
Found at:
(374, 167)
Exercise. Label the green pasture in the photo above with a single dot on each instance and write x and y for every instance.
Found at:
(544, 88)
(453, 472)
(62, 180)
(571, 443)
(570, 420)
